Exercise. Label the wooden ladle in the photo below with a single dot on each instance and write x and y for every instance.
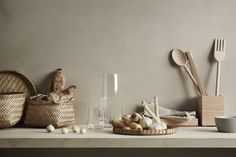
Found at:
(180, 59)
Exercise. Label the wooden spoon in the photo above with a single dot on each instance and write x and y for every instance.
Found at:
(180, 59)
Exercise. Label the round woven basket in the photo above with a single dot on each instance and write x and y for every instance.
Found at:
(12, 81)
(42, 113)
(167, 131)
(11, 108)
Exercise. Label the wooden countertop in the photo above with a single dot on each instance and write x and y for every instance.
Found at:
(191, 137)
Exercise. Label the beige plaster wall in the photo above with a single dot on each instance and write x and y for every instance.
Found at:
(130, 37)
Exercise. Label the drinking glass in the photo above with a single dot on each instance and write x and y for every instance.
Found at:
(95, 117)
(111, 98)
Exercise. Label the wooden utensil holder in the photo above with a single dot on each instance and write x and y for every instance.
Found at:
(209, 107)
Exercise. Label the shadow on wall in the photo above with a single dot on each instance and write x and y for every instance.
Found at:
(5, 13)
(181, 74)
(190, 103)
(211, 61)
(43, 85)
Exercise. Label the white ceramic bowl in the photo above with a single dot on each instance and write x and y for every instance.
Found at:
(226, 123)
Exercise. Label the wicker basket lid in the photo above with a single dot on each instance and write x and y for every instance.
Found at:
(12, 81)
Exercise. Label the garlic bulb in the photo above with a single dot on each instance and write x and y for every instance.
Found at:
(55, 97)
(157, 123)
(145, 122)
(50, 128)
(64, 131)
(75, 129)
(158, 126)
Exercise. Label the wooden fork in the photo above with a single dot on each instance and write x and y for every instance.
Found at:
(219, 54)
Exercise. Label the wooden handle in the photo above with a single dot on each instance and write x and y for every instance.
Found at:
(192, 78)
(217, 91)
(195, 74)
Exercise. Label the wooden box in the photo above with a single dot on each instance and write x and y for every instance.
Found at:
(209, 107)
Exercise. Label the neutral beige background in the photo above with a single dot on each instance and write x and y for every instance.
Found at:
(130, 37)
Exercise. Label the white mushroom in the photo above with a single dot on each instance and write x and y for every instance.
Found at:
(75, 129)
(50, 128)
(64, 131)
(83, 131)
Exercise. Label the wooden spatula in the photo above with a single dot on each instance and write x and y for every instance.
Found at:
(195, 74)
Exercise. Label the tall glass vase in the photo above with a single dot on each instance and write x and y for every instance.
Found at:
(111, 98)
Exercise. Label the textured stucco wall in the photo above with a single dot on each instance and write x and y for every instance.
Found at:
(130, 37)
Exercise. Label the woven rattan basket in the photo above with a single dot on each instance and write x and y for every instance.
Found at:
(12, 81)
(41, 113)
(145, 132)
(11, 108)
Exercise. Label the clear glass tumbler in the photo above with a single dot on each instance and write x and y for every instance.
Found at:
(95, 117)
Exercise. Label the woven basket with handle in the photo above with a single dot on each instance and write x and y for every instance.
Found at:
(41, 113)
(11, 108)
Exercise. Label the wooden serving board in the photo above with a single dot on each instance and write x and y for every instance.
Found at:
(145, 132)
(175, 123)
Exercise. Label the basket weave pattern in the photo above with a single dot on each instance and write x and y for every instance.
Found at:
(11, 81)
(11, 109)
(145, 132)
(43, 113)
